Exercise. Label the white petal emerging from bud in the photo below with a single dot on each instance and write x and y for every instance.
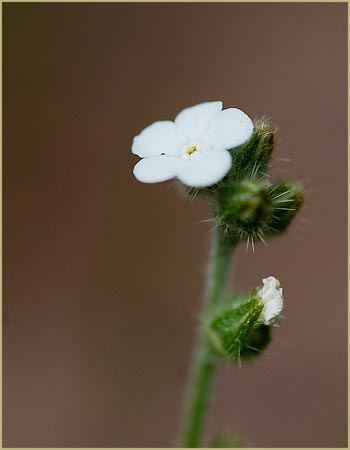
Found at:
(272, 297)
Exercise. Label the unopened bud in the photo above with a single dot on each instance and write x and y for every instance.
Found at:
(242, 331)
(252, 158)
(245, 208)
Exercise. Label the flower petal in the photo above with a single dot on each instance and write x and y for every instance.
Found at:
(156, 169)
(272, 296)
(206, 169)
(195, 120)
(230, 128)
(158, 138)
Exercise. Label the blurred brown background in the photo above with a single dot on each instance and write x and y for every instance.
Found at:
(103, 275)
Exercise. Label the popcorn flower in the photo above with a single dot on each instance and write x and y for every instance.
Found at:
(272, 297)
(193, 148)
(201, 147)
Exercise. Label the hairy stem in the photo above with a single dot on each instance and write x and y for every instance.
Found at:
(204, 362)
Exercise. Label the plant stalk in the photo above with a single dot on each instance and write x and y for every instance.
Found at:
(204, 362)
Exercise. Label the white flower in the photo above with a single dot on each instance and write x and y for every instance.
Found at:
(194, 147)
(272, 297)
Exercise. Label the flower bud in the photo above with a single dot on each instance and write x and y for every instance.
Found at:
(252, 158)
(286, 199)
(245, 208)
(242, 330)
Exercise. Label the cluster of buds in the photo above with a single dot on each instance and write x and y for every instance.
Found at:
(247, 204)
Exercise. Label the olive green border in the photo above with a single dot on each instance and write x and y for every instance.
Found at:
(157, 1)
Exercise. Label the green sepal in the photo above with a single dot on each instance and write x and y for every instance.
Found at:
(236, 333)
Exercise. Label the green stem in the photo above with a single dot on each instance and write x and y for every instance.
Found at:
(204, 363)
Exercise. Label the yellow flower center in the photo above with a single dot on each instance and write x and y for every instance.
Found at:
(191, 150)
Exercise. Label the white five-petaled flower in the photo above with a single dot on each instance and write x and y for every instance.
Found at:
(193, 148)
(272, 297)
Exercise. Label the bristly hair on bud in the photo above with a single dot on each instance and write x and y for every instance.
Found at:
(286, 199)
